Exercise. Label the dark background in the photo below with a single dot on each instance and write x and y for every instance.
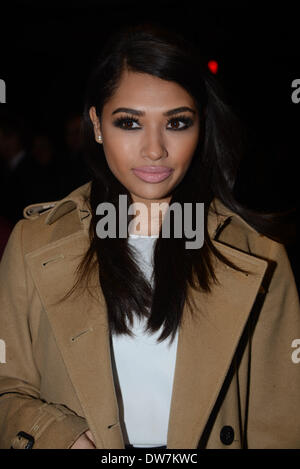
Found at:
(46, 53)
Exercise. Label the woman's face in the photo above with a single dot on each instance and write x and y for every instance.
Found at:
(149, 129)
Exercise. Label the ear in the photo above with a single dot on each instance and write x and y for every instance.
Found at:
(96, 123)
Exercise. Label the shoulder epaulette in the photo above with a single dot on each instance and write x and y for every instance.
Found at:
(33, 211)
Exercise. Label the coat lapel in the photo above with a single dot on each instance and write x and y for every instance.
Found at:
(80, 327)
(206, 343)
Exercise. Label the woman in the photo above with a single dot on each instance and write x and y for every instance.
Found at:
(127, 338)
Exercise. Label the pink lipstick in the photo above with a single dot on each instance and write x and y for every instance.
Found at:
(152, 173)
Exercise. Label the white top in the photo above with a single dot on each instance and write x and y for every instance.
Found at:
(144, 371)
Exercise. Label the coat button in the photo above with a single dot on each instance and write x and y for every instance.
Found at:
(227, 435)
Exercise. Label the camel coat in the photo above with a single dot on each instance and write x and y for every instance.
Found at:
(237, 374)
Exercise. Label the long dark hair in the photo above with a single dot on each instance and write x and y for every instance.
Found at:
(212, 173)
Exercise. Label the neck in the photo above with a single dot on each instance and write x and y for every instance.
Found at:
(149, 216)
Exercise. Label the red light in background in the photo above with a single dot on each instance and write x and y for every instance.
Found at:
(213, 66)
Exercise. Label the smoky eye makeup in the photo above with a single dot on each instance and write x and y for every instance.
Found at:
(178, 123)
(179, 120)
(126, 122)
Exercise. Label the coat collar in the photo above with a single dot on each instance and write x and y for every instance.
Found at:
(206, 343)
(78, 200)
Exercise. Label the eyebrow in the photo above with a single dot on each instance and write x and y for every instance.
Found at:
(171, 112)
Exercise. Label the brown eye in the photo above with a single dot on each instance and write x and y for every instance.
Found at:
(174, 124)
(127, 123)
(180, 123)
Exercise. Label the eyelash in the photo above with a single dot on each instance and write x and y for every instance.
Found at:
(124, 119)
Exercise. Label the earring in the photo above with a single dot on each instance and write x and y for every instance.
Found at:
(100, 138)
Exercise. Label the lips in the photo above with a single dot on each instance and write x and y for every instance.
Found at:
(152, 173)
(153, 169)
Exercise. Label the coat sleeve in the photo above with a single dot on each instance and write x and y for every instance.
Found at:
(21, 409)
(274, 387)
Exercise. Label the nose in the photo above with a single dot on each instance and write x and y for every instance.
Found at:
(154, 147)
